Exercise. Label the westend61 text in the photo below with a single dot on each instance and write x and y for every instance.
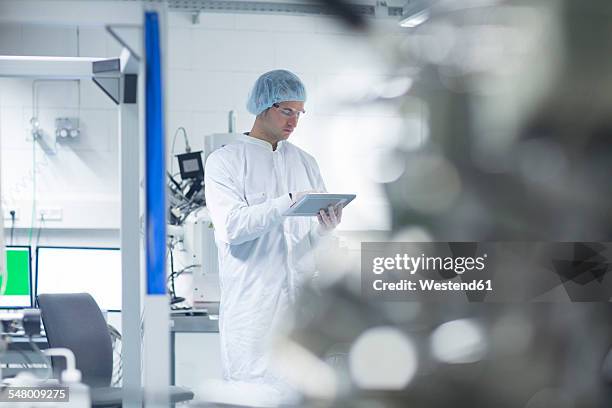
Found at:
(433, 285)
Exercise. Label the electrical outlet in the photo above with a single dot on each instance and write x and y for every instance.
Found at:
(49, 214)
(7, 214)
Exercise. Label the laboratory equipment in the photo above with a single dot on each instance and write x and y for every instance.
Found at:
(187, 194)
(192, 236)
(200, 251)
(190, 165)
(96, 271)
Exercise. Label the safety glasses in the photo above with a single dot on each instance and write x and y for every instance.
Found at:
(288, 112)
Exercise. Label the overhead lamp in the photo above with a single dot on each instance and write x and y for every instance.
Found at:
(415, 13)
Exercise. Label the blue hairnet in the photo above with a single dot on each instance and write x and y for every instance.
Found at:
(273, 87)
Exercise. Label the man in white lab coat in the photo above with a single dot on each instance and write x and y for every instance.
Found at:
(264, 257)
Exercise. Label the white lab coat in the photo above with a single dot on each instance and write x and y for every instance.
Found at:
(264, 258)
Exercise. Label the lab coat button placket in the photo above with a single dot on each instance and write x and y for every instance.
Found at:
(277, 168)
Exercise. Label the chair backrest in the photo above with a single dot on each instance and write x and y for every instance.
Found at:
(74, 321)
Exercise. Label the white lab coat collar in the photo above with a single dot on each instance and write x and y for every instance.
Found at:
(263, 143)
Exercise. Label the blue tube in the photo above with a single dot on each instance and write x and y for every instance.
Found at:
(155, 162)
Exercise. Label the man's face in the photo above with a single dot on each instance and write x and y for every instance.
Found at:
(282, 119)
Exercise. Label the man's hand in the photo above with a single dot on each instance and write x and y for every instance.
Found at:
(331, 218)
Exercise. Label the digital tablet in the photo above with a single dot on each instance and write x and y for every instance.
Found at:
(312, 203)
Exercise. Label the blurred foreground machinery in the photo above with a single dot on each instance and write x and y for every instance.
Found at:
(518, 98)
(516, 146)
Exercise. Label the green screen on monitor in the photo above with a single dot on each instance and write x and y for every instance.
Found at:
(17, 292)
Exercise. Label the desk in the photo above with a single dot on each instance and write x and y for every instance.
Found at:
(185, 323)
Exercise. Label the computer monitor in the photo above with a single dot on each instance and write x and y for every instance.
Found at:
(96, 271)
(18, 294)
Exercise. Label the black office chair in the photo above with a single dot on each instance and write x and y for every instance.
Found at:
(74, 321)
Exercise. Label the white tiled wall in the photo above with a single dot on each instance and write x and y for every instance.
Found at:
(212, 66)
